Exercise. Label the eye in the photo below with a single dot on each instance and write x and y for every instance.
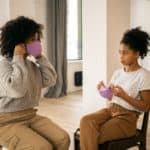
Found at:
(123, 52)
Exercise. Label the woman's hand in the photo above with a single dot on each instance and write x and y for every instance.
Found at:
(20, 49)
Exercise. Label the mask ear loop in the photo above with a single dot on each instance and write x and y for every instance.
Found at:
(37, 37)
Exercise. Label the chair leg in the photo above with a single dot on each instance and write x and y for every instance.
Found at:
(76, 142)
(142, 145)
(76, 145)
(1, 147)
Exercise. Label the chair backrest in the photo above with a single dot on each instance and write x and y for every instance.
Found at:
(145, 123)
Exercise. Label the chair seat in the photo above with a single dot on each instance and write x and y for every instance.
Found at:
(124, 143)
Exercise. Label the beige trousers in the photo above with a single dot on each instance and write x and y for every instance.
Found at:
(106, 124)
(25, 130)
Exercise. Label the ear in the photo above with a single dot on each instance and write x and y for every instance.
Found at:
(138, 54)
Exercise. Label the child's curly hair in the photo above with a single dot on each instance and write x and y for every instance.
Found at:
(137, 40)
(17, 31)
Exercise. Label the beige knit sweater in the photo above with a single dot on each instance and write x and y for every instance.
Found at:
(21, 82)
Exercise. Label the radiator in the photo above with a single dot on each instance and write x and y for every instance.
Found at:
(78, 78)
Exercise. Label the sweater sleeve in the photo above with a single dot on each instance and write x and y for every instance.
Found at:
(13, 77)
(48, 72)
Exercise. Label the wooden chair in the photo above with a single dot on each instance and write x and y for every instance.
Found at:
(139, 139)
(77, 139)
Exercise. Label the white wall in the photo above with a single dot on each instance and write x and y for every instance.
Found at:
(21, 7)
(118, 21)
(94, 51)
(4, 12)
(140, 11)
(103, 25)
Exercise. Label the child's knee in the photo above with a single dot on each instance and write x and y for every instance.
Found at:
(84, 121)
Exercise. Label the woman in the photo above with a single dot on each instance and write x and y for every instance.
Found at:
(21, 81)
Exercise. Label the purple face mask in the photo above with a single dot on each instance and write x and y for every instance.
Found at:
(34, 48)
(106, 93)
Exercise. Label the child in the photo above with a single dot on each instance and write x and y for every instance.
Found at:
(21, 81)
(130, 86)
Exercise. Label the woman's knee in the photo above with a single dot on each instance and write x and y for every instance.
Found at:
(64, 142)
(66, 139)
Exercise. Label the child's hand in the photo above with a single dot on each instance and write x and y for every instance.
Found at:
(100, 85)
(118, 91)
(111, 85)
(105, 91)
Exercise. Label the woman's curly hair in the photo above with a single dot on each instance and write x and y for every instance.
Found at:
(17, 31)
(137, 40)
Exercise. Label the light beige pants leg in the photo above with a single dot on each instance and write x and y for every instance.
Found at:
(102, 126)
(20, 131)
(22, 137)
(52, 132)
(89, 129)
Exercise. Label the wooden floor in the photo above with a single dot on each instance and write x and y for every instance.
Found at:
(65, 111)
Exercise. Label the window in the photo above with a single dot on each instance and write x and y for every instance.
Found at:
(74, 29)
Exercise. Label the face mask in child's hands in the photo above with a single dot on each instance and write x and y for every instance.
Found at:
(106, 92)
(34, 48)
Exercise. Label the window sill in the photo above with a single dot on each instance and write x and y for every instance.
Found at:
(74, 61)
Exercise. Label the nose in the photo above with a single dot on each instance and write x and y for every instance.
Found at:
(121, 55)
